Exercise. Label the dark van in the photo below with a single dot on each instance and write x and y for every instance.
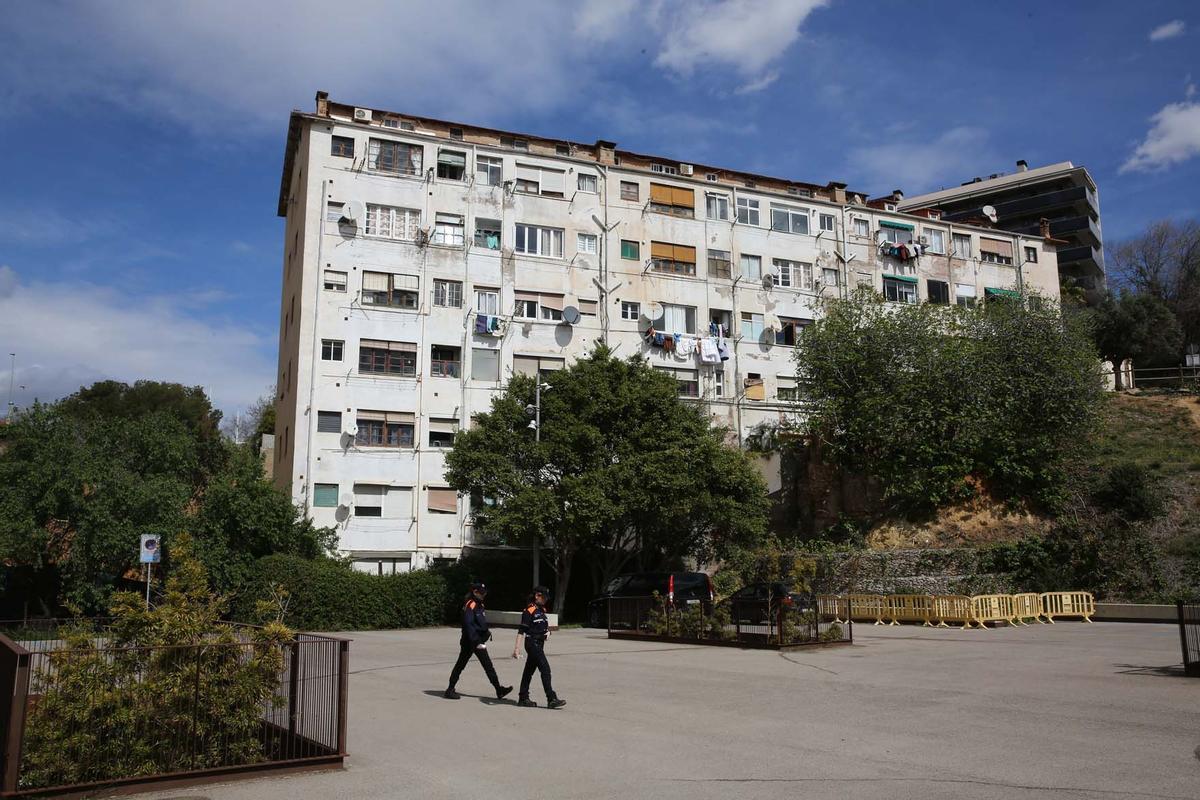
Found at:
(680, 588)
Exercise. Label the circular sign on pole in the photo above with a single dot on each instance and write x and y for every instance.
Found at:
(151, 551)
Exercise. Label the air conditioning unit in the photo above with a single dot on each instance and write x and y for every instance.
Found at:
(685, 169)
(362, 115)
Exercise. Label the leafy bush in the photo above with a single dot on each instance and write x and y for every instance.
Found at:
(327, 595)
(1132, 491)
(182, 697)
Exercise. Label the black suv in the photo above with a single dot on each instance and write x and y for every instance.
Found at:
(681, 588)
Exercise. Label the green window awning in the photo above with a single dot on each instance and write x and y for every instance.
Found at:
(904, 278)
(993, 291)
(887, 223)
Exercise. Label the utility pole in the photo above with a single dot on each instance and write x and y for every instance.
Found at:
(537, 438)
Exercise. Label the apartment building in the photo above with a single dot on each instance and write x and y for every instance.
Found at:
(426, 262)
(1062, 193)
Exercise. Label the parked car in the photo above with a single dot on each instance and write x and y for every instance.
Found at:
(679, 588)
(751, 604)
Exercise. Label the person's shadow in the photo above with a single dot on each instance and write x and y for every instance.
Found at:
(487, 701)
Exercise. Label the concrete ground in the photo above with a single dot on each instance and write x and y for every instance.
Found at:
(1070, 710)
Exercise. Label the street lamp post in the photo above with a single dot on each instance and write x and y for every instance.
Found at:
(537, 438)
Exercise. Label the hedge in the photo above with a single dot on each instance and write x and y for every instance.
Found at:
(328, 595)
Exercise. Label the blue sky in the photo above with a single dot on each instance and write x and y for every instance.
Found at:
(143, 141)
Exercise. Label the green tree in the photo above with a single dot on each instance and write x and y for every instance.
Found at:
(1164, 263)
(1136, 326)
(932, 400)
(624, 467)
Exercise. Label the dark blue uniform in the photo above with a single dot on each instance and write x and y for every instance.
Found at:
(536, 628)
(474, 633)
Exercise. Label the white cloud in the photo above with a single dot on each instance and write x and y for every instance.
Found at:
(71, 335)
(1174, 136)
(918, 166)
(1169, 30)
(745, 36)
(604, 20)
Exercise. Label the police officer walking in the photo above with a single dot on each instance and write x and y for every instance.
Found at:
(535, 628)
(475, 635)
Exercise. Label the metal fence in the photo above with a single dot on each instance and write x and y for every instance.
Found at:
(1189, 637)
(117, 715)
(745, 622)
(1181, 377)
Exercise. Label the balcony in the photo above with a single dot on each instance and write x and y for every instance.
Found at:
(1082, 229)
(1029, 209)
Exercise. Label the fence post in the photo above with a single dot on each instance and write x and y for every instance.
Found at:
(343, 693)
(1183, 642)
(15, 722)
(293, 690)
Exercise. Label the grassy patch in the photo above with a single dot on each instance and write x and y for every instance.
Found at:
(1155, 432)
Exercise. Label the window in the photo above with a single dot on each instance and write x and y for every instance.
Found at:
(826, 222)
(587, 183)
(377, 500)
(629, 249)
(388, 222)
(629, 191)
(515, 144)
(452, 165)
(718, 316)
(631, 310)
(793, 274)
(335, 281)
(752, 267)
(552, 306)
(711, 177)
(485, 364)
(489, 171)
(342, 147)
(387, 358)
(752, 326)
(687, 381)
(964, 295)
(789, 330)
(456, 134)
(447, 294)
(1031, 255)
(536, 365)
(896, 232)
(487, 301)
(753, 384)
(796, 190)
(716, 206)
(937, 241)
(331, 349)
(829, 276)
(442, 501)
(898, 290)
(384, 429)
(397, 158)
(536, 241)
(527, 304)
(679, 319)
(786, 388)
(384, 289)
(719, 264)
(562, 149)
(718, 381)
(540, 180)
(441, 432)
(587, 243)
(444, 362)
(747, 211)
(334, 211)
(325, 495)
(665, 169)
(995, 252)
(673, 200)
(789, 220)
(675, 259)
(962, 245)
(329, 422)
(487, 234)
(448, 230)
(938, 292)
(862, 228)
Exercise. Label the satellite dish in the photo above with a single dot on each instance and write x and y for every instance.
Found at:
(768, 280)
(990, 212)
(771, 322)
(653, 311)
(570, 315)
(354, 211)
(346, 500)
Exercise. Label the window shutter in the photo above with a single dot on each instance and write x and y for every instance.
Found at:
(452, 158)
(525, 365)
(375, 282)
(995, 247)
(371, 416)
(443, 425)
(685, 253)
(589, 306)
(443, 500)
(368, 494)
(683, 197)
(663, 195)
(403, 347)
(662, 250)
(401, 417)
(554, 301)
(528, 173)
(406, 282)
(329, 422)
(376, 343)
(527, 296)
(552, 180)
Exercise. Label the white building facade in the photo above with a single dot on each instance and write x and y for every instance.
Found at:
(426, 262)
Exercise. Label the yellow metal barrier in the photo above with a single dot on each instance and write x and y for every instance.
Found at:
(831, 606)
(992, 608)
(1068, 604)
(867, 606)
(952, 608)
(1027, 606)
(910, 608)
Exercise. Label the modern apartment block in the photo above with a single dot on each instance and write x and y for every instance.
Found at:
(1062, 193)
(425, 262)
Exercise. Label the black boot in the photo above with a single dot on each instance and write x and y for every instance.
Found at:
(557, 702)
(502, 691)
(525, 702)
(450, 694)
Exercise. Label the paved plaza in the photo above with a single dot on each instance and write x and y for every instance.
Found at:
(1070, 710)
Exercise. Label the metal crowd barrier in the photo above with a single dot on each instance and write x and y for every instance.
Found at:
(959, 609)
